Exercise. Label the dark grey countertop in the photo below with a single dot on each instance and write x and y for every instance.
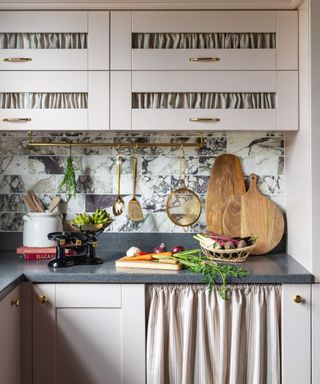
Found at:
(270, 269)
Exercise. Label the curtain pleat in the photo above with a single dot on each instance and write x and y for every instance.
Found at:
(203, 100)
(195, 337)
(204, 40)
(43, 100)
(43, 40)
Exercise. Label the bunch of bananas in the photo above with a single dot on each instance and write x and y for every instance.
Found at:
(100, 216)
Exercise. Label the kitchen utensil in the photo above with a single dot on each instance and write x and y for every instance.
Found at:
(29, 203)
(37, 202)
(120, 263)
(183, 206)
(54, 203)
(134, 208)
(118, 205)
(225, 183)
(36, 227)
(259, 216)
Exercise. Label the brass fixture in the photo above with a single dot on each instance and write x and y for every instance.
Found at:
(204, 59)
(204, 119)
(16, 59)
(42, 299)
(199, 144)
(15, 303)
(298, 299)
(16, 119)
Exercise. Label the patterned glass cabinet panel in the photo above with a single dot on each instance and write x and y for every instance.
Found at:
(204, 100)
(54, 100)
(54, 40)
(202, 40)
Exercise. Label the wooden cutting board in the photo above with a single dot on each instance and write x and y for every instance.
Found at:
(226, 182)
(121, 263)
(253, 214)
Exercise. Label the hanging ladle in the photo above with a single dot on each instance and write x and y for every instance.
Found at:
(118, 205)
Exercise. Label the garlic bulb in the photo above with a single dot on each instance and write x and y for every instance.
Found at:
(133, 251)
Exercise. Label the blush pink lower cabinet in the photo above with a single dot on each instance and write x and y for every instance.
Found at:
(10, 338)
(88, 333)
(296, 338)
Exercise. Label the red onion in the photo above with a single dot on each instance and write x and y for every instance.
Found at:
(177, 249)
(160, 248)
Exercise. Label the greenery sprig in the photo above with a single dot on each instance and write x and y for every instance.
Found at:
(69, 179)
(212, 272)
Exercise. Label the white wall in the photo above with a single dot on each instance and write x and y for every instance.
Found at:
(298, 159)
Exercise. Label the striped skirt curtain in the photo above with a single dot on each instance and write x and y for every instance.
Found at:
(195, 337)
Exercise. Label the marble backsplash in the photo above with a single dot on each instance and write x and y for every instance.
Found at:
(41, 169)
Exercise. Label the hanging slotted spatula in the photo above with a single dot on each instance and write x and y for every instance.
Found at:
(134, 208)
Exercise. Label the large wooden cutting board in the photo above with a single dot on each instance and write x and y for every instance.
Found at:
(123, 263)
(255, 215)
(226, 182)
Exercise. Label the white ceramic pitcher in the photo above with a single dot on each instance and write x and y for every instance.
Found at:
(36, 227)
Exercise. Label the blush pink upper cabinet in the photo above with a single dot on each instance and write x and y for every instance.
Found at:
(204, 40)
(54, 40)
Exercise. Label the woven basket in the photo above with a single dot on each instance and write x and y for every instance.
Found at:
(238, 255)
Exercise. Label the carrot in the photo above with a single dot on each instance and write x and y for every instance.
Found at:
(147, 257)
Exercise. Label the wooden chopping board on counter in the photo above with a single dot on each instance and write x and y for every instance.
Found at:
(226, 183)
(253, 214)
(124, 263)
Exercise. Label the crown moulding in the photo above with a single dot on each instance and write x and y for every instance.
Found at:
(149, 4)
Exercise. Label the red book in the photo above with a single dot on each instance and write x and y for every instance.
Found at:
(41, 253)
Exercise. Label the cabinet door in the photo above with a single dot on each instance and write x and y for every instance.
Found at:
(206, 100)
(54, 40)
(10, 336)
(96, 334)
(296, 334)
(58, 100)
(204, 40)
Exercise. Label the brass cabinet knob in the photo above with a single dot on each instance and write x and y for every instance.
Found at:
(42, 299)
(15, 303)
(297, 299)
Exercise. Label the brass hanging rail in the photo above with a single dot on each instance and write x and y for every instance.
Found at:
(32, 143)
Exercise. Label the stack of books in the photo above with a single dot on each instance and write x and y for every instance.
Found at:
(39, 253)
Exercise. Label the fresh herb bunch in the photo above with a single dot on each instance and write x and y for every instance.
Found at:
(69, 180)
(213, 272)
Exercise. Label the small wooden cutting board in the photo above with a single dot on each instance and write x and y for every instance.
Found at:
(121, 263)
(253, 214)
(226, 182)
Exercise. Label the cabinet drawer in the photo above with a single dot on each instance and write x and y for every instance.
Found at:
(54, 40)
(207, 100)
(214, 40)
(88, 295)
(56, 100)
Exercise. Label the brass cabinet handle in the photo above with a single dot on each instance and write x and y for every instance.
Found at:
(16, 59)
(204, 59)
(298, 299)
(15, 303)
(16, 119)
(204, 119)
(43, 299)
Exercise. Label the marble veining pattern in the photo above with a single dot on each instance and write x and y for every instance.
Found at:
(41, 169)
